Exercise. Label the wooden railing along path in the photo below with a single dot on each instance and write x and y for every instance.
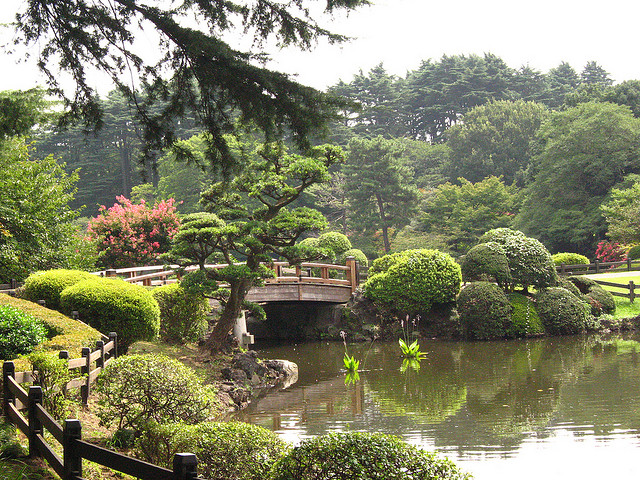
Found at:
(597, 267)
(37, 421)
(313, 281)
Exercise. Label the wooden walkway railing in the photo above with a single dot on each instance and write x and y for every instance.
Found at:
(307, 272)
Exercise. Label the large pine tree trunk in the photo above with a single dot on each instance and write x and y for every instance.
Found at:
(219, 339)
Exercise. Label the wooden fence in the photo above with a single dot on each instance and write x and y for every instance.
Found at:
(69, 437)
(631, 287)
(597, 267)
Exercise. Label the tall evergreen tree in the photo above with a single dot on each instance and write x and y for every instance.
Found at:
(191, 69)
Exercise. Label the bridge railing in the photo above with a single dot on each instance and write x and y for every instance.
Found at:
(306, 272)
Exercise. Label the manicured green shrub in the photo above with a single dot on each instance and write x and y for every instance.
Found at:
(382, 264)
(415, 281)
(355, 455)
(562, 312)
(600, 300)
(530, 262)
(64, 333)
(525, 321)
(335, 242)
(634, 253)
(52, 374)
(48, 285)
(359, 255)
(135, 389)
(112, 305)
(566, 258)
(19, 332)
(225, 450)
(565, 282)
(485, 311)
(486, 262)
(183, 315)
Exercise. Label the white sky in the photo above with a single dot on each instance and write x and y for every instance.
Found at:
(401, 33)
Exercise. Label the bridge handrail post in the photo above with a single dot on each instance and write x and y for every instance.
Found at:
(352, 272)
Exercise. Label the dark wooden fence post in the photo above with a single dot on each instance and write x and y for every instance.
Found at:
(85, 370)
(8, 370)
(597, 262)
(35, 425)
(114, 336)
(185, 466)
(71, 460)
(632, 292)
(100, 361)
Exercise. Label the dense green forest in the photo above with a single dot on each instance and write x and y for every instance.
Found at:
(454, 148)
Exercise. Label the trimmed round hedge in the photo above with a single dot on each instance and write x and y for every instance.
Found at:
(485, 311)
(359, 255)
(113, 305)
(48, 285)
(530, 262)
(335, 242)
(136, 389)
(566, 258)
(20, 332)
(355, 455)
(486, 262)
(229, 450)
(562, 312)
(601, 301)
(183, 315)
(414, 281)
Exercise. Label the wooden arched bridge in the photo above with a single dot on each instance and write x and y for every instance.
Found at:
(307, 282)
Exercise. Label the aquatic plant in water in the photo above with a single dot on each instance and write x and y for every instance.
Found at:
(410, 350)
(349, 361)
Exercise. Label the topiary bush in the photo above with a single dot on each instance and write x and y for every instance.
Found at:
(382, 264)
(229, 450)
(334, 242)
(183, 315)
(566, 258)
(634, 253)
(52, 374)
(530, 262)
(486, 262)
(136, 389)
(48, 285)
(566, 283)
(525, 321)
(355, 455)
(414, 281)
(562, 312)
(20, 332)
(601, 301)
(485, 311)
(359, 255)
(113, 305)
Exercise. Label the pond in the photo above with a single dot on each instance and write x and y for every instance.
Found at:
(552, 408)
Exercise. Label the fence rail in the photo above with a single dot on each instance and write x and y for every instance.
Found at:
(631, 287)
(597, 267)
(69, 437)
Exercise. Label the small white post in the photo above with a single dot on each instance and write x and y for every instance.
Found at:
(240, 331)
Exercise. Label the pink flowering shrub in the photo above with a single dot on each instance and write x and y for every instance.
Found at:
(610, 252)
(130, 235)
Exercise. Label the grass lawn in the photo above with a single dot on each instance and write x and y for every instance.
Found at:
(626, 309)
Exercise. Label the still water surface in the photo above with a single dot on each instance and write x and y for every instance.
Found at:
(557, 408)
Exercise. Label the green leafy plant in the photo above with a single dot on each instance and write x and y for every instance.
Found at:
(19, 332)
(568, 258)
(485, 311)
(52, 374)
(349, 361)
(48, 285)
(230, 450)
(410, 350)
(136, 389)
(356, 455)
(112, 305)
(562, 312)
(183, 315)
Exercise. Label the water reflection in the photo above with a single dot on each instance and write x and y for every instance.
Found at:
(476, 402)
